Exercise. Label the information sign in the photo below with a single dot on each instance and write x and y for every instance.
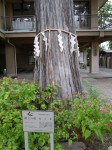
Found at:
(38, 121)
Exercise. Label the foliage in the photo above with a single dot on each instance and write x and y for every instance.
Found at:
(83, 119)
(106, 9)
(15, 95)
(110, 45)
(83, 66)
(76, 120)
(105, 16)
(101, 48)
(105, 19)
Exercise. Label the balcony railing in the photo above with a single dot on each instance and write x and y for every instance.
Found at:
(81, 22)
(18, 23)
(86, 21)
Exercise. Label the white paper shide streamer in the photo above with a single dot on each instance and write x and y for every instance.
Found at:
(36, 47)
(60, 41)
(77, 47)
(73, 42)
(45, 40)
(78, 50)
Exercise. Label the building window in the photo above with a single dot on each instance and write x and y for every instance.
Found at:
(81, 14)
(26, 8)
(79, 7)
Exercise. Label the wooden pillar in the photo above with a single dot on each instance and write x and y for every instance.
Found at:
(10, 60)
(94, 65)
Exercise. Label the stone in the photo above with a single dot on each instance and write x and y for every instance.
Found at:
(110, 148)
(74, 146)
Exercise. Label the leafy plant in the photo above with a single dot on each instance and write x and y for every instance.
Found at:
(76, 120)
(15, 95)
(105, 16)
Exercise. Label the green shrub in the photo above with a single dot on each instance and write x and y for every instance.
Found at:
(76, 120)
(15, 96)
(82, 119)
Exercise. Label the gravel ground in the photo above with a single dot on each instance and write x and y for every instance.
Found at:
(103, 86)
(102, 82)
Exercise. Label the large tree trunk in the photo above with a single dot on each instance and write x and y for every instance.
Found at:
(55, 66)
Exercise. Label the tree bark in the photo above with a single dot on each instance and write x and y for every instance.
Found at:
(54, 66)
